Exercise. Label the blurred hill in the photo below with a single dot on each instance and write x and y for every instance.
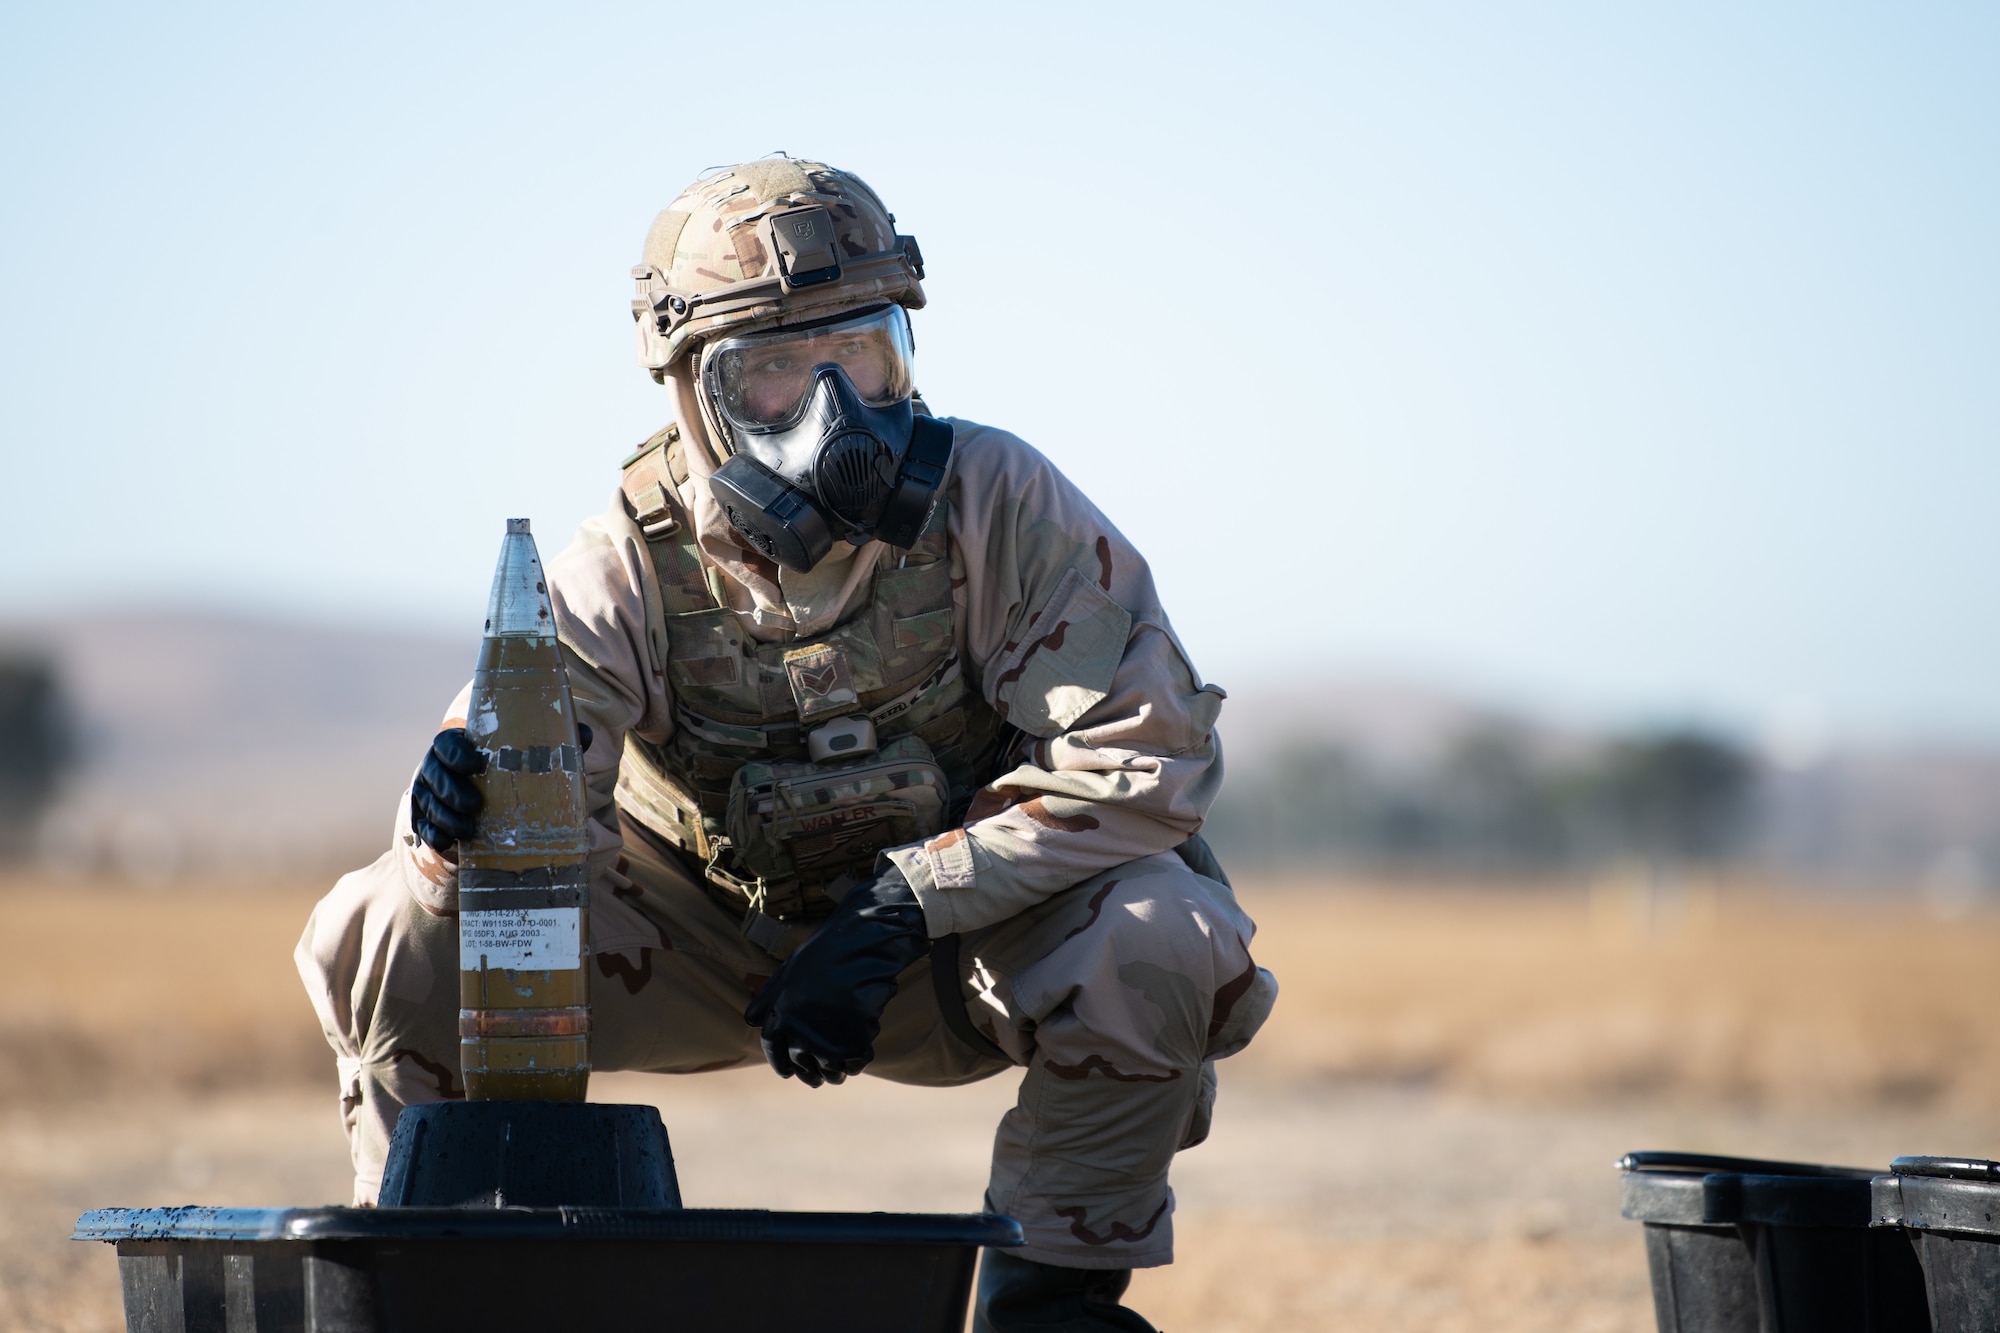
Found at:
(199, 744)
(210, 745)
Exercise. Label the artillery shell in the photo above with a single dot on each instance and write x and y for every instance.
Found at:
(523, 885)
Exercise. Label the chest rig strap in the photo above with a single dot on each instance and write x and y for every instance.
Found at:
(654, 472)
(653, 476)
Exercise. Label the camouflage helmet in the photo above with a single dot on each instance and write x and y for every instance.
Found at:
(767, 242)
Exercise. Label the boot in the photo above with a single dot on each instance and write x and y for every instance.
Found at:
(1021, 1296)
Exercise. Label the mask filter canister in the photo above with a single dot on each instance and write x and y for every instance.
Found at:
(774, 516)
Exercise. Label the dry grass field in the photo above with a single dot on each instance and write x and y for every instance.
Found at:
(1421, 1139)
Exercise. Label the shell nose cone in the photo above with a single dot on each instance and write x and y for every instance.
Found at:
(519, 604)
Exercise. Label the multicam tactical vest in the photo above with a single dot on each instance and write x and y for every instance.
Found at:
(734, 787)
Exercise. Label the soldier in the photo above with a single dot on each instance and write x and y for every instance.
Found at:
(896, 763)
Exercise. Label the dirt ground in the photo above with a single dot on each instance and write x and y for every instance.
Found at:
(1422, 1138)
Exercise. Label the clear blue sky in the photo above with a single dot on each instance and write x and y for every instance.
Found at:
(1638, 359)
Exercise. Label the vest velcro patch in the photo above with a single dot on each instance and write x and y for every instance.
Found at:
(928, 632)
(722, 669)
(821, 680)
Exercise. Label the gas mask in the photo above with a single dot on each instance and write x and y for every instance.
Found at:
(825, 440)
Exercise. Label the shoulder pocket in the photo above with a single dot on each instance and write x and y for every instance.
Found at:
(1064, 661)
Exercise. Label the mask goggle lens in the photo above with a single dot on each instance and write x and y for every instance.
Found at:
(762, 381)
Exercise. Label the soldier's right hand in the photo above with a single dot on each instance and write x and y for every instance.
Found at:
(443, 800)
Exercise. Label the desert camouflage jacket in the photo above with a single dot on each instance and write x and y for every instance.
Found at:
(1055, 618)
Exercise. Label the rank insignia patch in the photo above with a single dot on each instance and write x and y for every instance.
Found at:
(821, 681)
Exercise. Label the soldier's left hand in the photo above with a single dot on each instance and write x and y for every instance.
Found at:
(821, 1013)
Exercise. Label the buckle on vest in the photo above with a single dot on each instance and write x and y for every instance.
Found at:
(655, 515)
(774, 937)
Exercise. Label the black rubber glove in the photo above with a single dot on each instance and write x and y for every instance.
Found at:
(443, 800)
(823, 1010)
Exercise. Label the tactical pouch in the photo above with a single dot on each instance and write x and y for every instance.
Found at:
(809, 824)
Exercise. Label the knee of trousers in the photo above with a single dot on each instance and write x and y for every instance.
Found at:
(1150, 972)
(382, 972)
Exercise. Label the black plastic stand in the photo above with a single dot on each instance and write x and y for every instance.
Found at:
(529, 1155)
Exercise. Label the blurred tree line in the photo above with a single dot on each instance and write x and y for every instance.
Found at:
(1493, 804)
(37, 744)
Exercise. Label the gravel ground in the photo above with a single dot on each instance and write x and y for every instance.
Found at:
(1353, 1207)
(1421, 1139)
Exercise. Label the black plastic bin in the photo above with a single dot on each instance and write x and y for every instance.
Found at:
(473, 1238)
(1949, 1207)
(387, 1270)
(1736, 1245)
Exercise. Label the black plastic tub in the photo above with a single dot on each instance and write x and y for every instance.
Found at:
(388, 1270)
(1739, 1245)
(1949, 1207)
(543, 1216)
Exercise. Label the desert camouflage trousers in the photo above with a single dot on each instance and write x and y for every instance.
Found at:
(1116, 997)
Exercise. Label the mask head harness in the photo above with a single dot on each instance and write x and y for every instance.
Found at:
(825, 438)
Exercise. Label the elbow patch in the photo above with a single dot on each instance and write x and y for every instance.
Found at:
(1064, 661)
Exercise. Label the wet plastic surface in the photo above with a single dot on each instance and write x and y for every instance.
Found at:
(1804, 1256)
